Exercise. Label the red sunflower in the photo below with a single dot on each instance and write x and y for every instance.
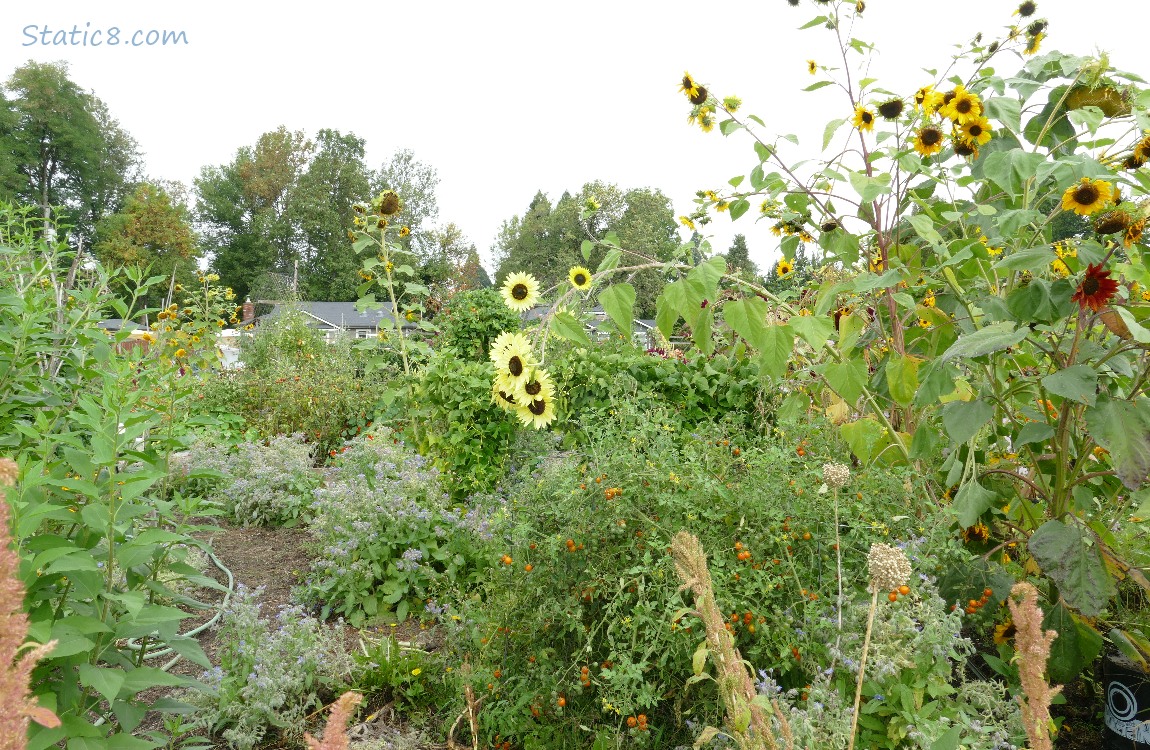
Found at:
(1096, 288)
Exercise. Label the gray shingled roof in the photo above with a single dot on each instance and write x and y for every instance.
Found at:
(339, 314)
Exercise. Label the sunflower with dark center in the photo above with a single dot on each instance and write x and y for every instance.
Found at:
(405, 231)
(1142, 150)
(1087, 196)
(976, 132)
(389, 203)
(891, 109)
(1033, 43)
(1134, 232)
(1096, 289)
(1037, 28)
(812, 67)
(580, 278)
(783, 268)
(1026, 9)
(864, 119)
(928, 141)
(688, 86)
(1132, 162)
(1111, 222)
(962, 107)
(965, 149)
(1004, 631)
(829, 225)
(520, 291)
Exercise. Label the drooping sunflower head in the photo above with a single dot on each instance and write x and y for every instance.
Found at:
(580, 278)
(864, 118)
(783, 268)
(1037, 27)
(503, 399)
(829, 225)
(1134, 232)
(1142, 150)
(1112, 221)
(537, 413)
(891, 109)
(688, 222)
(1026, 9)
(812, 67)
(1033, 42)
(928, 141)
(1096, 288)
(388, 203)
(706, 122)
(1087, 196)
(688, 86)
(520, 291)
(732, 103)
(965, 148)
(976, 131)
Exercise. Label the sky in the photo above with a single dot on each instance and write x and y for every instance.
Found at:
(508, 97)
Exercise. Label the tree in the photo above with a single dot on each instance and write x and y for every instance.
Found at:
(241, 209)
(473, 275)
(738, 257)
(320, 206)
(69, 150)
(149, 232)
(415, 182)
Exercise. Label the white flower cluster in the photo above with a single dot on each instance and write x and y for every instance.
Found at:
(836, 475)
(888, 567)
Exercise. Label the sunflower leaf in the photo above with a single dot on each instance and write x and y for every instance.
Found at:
(618, 300)
(829, 132)
(565, 325)
(586, 249)
(817, 20)
(992, 338)
(1077, 383)
(816, 331)
(739, 207)
(748, 318)
(870, 188)
(778, 343)
(1123, 428)
(1069, 556)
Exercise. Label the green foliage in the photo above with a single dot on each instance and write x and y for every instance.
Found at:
(92, 422)
(385, 537)
(471, 321)
(273, 673)
(458, 425)
(587, 581)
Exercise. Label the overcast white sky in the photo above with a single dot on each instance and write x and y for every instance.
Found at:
(507, 97)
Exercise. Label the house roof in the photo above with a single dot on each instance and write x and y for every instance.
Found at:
(338, 314)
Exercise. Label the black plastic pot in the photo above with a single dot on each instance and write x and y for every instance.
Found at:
(1126, 715)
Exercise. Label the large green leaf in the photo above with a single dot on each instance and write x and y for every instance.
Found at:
(866, 438)
(1076, 646)
(870, 188)
(778, 343)
(992, 338)
(1067, 556)
(963, 419)
(971, 502)
(1010, 170)
(618, 300)
(924, 226)
(1123, 428)
(107, 682)
(848, 378)
(565, 325)
(902, 378)
(815, 330)
(1077, 383)
(748, 318)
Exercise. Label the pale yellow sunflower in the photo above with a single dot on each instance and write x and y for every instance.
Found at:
(520, 291)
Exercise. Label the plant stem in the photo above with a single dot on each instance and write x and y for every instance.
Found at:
(862, 667)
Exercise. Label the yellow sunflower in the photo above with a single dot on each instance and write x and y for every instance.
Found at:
(783, 268)
(388, 203)
(513, 363)
(520, 291)
(688, 222)
(863, 119)
(1004, 631)
(580, 278)
(928, 141)
(928, 100)
(961, 106)
(812, 67)
(1142, 150)
(538, 414)
(1033, 43)
(688, 86)
(1087, 196)
(503, 399)
(976, 131)
(538, 385)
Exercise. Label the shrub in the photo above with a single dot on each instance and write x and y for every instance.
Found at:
(384, 536)
(272, 674)
(263, 483)
(471, 321)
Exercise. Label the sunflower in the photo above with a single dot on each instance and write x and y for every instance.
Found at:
(1112, 221)
(783, 268)
(928, 141)
(181, 352)
(388, 203)
(1096, 289)
(688, 222)
(1142, 150)
(1004, 631)
(580, 278)
(976, 533)
(503, 399)
(812, 67)
(1134, 232)
(928, 100)
(1132, 162)
(1059, 267)
(405, 231)
(688, 86)
(1026, 9)
(1086, 196)
(732, 104)
(706, 123)
(965, 148)
(976, 132)
(520, 291)
(891, 109)
(829, 225)
(1033, 43)
(864, 118)
(513, 362)
(961, 106)
(928, 299)
(539, 413)
(538, 385)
